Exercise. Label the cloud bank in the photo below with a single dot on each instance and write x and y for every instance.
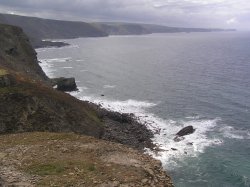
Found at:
(185, 13)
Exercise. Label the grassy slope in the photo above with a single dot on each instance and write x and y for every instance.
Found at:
(29, 105)
(28, 102)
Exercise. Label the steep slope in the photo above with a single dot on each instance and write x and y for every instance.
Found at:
(17, 54)
(29, 103)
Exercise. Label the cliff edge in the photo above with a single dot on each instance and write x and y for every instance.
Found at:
(31, 111)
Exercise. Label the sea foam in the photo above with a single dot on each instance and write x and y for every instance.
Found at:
(48, 64)
(164, 130)
(233, 133)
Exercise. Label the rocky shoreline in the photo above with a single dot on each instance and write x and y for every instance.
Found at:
(29, 103)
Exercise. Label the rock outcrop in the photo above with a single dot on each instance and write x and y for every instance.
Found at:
(17, 54)
(186, 130)
(183, 132)
(64, 84)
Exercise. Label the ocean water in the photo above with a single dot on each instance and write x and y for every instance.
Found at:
(170, 81)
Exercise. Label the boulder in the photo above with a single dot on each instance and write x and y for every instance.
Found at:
(64, 84)
(185, 131)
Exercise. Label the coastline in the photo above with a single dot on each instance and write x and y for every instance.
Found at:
(124, 128)
(48, 135)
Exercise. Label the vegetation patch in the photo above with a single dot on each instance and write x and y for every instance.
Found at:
(3, 72)
(47, 169)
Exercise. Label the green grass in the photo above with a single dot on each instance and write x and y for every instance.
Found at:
(3, 72)
(91, 167)
(47, 169)
(6, 90)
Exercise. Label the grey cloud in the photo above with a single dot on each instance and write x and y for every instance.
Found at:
(187, 13)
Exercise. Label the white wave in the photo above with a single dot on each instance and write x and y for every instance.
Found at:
(165, 130)
(84, 70)
(231, 132)
(67, 67)
(51, 60)
(193, 117)
(191, 146)
(39, 50)
(85, 88)
(47, 68)
(128, 106)
(52, 40)
(69, 46)
(109, 86)
(48, 64)
(56, 48)
(80, 60)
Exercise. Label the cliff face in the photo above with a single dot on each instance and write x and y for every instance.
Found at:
(17, 54)
(27, 101)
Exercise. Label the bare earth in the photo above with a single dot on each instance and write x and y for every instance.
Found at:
(60, 159)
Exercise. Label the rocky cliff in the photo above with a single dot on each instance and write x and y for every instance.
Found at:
(28, 103)
(17, 54)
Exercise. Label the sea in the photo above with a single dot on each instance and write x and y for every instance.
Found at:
(170, 81)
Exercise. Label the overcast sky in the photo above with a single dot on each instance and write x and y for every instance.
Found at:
(185, 13)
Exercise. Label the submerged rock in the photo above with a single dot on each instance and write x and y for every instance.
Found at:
(64, 84)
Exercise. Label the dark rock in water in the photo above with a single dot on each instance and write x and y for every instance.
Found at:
(186, 130)
(64, 84)
(174, 149)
